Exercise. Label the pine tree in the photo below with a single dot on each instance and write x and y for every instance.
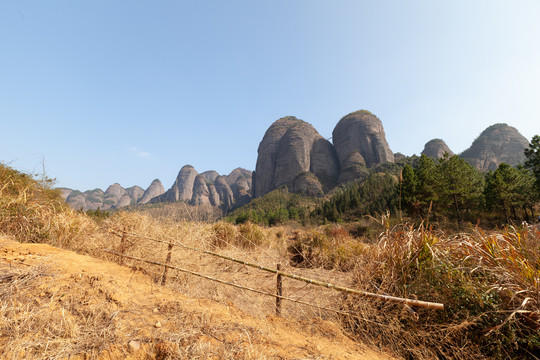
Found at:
(533, 159)
(460, 186)
(427, 176)
(408, 190)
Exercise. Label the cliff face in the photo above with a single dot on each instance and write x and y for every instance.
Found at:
(293, 154)
(209, 188)
(497, 144)
(113, 198)
(436, 149)
(289, 147)
(359, 139)
(155, 189)
(182, 189)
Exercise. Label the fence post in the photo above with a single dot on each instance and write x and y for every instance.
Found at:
(122, 247)
(168, 261)
(279, 291)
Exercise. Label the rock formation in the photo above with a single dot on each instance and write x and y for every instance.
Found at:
(497, 144)
(155, 189)
(224, 192)
(289, 147)
(113, 198)
(360, 140)
(436, 149)
(209, 188)
(240, 181)
(182, 189)
(210, 176)
(201, 194)
(205, 189)
(294, 155)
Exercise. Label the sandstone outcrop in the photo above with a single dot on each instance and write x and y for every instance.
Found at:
(240, 181)
(436, 149)
(499, 143)
(113, 198)
(210, 176)
(201, 194)
(359, 139)
(135, 193)
(289, 147)
(182, 189)
(209, 188)
(224, 192)
(155, 189)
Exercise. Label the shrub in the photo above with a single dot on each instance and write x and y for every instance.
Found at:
(250, 235)
(224, 234)
(329, 248)
(488, 282)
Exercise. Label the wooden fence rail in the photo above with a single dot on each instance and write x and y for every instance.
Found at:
(280, 297)
(409, 302)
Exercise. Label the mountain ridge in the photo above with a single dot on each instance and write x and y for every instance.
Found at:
(293, 154)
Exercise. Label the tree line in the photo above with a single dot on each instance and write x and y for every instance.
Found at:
(447, 188)
(419, 187)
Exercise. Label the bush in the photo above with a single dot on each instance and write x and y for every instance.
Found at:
(224, 234)
(329, 248)
(250, 235)
(488, 283)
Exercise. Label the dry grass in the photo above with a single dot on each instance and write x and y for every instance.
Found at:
(330, 247)
(487, 281)
(38, 322)
(43, 317)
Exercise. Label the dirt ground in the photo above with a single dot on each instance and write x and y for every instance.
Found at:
(57, 304)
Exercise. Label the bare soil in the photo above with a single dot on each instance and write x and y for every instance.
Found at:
(59, 304)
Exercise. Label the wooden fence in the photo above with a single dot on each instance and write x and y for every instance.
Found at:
(279, 286)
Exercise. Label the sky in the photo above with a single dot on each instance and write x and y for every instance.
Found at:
(97, 92)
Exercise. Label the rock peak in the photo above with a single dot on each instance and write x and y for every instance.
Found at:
(360, 142)
(436, 149)
(496, 144)
(289, 147)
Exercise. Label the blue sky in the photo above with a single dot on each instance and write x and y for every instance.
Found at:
(129, 91)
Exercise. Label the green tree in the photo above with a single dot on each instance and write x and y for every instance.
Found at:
(408, 190)
(526, 195)
(460, 185)
(500, 189)
(510, 190)
(533, 159)
(427, 176)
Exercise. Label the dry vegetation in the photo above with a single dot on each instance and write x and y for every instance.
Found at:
(488, 281)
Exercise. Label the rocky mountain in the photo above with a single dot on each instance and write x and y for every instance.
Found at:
(436, 149)
(360, 143)
(293, 154)
(209, 188)
(155, 189)
(499, 143)
(113, 198)
(289, 148)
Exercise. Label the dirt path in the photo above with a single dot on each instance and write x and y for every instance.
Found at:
(57, 303)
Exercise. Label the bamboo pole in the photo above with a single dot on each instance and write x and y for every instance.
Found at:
(123, 247)
(168, 262)
(234, 285)
(279, 291)
(410, 302)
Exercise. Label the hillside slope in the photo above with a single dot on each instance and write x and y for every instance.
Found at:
(58, 304)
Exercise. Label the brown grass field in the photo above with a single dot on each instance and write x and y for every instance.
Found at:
(59, 304)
